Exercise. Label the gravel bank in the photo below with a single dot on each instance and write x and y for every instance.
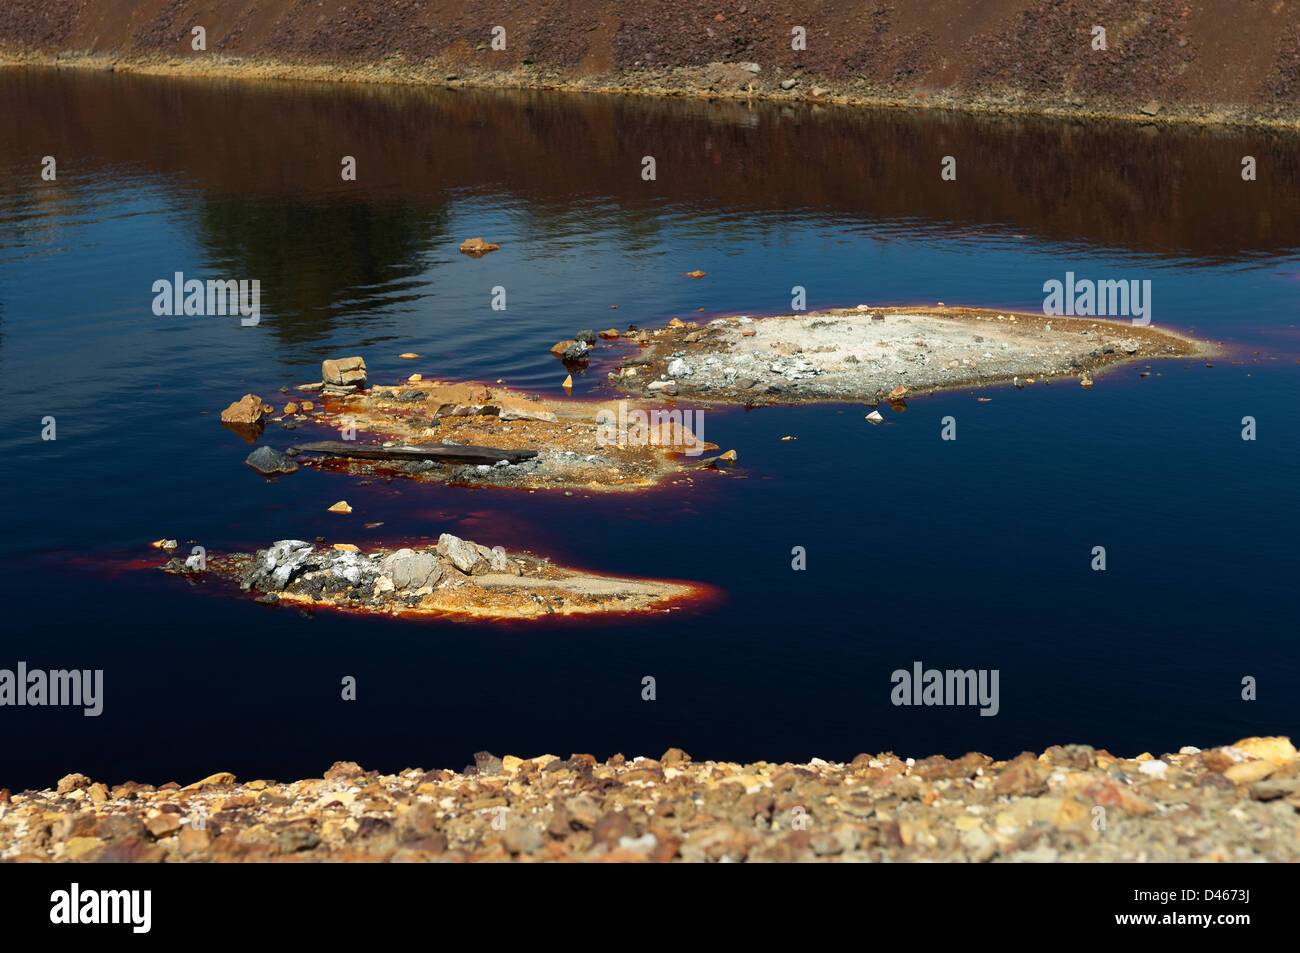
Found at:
(1234, 803)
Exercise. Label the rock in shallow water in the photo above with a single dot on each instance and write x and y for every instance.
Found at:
(344, 372)
(268, 461)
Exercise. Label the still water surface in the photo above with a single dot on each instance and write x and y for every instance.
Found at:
(970, 554)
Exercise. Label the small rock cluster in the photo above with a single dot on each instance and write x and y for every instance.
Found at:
(577, 350)
(456, 578)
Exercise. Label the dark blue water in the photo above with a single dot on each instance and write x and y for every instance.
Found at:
(972, 553)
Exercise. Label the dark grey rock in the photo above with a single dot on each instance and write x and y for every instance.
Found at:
(576, 351)
(267, 460)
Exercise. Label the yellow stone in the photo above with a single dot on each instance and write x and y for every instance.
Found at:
(76, 847)
(415, 378)
(1275, 749)
(341, 507)
(408, 356)
(1070, 813)
(568, 383)
(1248, 772)
(221, 777)
(346, 548)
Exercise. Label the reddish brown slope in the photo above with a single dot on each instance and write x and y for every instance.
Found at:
(1236, 59)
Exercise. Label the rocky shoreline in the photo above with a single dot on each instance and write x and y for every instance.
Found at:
(1233, 803)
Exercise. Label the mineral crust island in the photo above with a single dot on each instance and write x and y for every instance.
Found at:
(875, 354)
(1238, 802)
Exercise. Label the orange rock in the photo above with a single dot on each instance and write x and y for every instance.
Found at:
(609, 334)
(408, 356)
(192, 840)
(341, 507)
(306, 405)
(290, 408)
(695, 274)
(346, 548)
(248, 410)
(897, 392)
(568, 383)
(476, 247)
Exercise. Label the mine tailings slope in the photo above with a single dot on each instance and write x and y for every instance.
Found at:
(1208, 60)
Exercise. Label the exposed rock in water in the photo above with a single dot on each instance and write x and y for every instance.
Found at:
(572, 350)
(268, 461)
(549, 444)
(457, 578)
(476, 247)
(344, 372)
(249, 411)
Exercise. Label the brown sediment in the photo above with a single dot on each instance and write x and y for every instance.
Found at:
(457, 579)
(1234, 803)
(875, 354)
(1167, 61)
(580, 444)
